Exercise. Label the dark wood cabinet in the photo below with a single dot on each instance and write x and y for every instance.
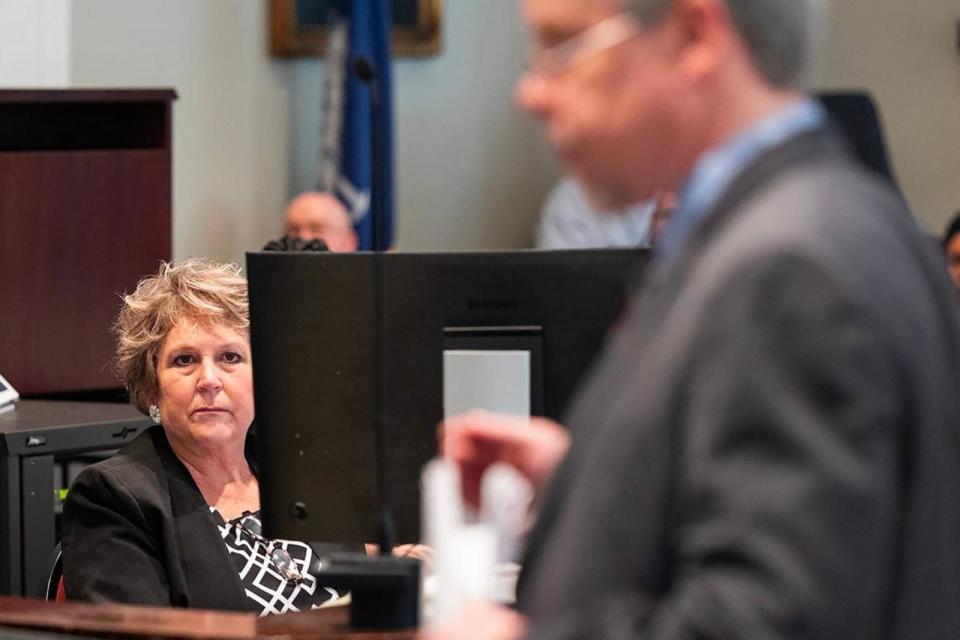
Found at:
(85, 212)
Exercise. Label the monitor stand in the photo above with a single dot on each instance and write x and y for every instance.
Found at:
(384, 589)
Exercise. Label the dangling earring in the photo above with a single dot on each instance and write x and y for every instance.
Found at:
(154, 412)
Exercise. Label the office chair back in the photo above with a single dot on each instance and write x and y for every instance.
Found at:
(51, 586)
(856, 116)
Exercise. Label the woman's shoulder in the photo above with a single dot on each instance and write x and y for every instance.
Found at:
(135, 462)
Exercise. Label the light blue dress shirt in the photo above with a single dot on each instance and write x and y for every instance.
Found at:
(569, 221)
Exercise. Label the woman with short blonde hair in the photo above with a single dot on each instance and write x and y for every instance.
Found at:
(173, 518)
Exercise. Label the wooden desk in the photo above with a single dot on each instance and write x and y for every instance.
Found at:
(125, 621)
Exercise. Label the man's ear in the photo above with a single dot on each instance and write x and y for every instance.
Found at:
(703, 30)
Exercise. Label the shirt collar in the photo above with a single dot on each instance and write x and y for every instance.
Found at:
(717, 168)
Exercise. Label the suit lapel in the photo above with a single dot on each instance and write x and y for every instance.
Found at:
(209, 578)
(812, 146)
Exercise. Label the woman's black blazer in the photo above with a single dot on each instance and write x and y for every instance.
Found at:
(137, 530)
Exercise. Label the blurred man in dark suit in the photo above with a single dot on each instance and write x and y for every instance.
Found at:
(768, 447)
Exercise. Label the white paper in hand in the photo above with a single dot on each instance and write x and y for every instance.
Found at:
(471, 559)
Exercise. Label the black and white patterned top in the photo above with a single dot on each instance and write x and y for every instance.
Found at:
(261, 578)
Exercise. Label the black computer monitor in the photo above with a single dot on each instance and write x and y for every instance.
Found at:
(312, 340)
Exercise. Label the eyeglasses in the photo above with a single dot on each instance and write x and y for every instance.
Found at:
(606, 34)
(279, 557)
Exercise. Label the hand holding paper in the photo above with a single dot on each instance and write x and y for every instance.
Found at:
(474, 441)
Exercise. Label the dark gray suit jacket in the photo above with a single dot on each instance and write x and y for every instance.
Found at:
(768, 447)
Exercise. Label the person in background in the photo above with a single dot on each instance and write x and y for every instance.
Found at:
(315, 215)
(173, 518)
(951, 248)
(768, 446)
(568, 221)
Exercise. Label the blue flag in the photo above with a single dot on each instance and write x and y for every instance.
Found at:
(361, 28)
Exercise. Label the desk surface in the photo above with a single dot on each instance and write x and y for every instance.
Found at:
(68, 425)
(118, 620)
(29, 415)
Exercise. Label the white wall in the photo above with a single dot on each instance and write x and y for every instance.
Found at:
(34, 43)
(905, 52)
(231, 133)
(471, 170)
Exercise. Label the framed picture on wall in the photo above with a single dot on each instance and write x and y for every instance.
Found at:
(299, 27)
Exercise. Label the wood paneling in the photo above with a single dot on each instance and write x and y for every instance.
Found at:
(85, 211)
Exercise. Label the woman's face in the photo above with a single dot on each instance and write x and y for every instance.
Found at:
(206, 384)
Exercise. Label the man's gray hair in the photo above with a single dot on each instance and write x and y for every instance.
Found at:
(778, 33)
